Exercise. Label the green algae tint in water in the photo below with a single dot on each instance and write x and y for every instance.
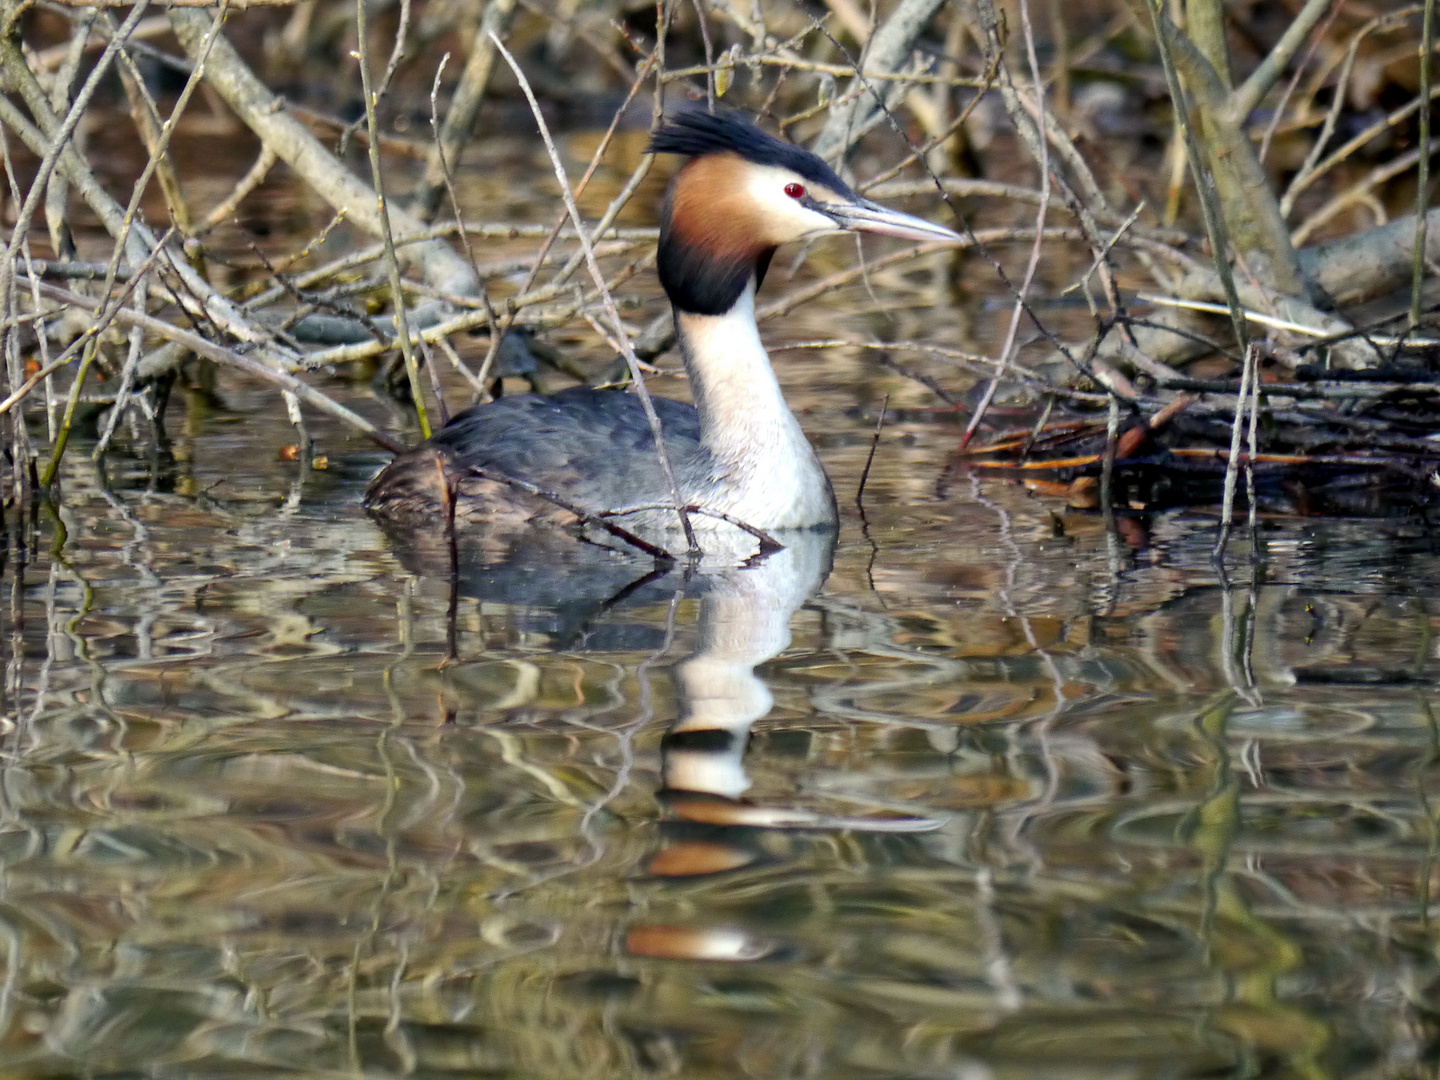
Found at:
(1018, 798)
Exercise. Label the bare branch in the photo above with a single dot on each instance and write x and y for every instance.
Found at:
(1247, 96)
(464, 106)
(888, 51)
(265, 114)
(382, 211)
(221, 355)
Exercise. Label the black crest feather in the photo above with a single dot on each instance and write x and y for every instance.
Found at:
(695, 133)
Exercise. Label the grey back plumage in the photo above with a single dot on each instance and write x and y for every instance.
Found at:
(592, 447)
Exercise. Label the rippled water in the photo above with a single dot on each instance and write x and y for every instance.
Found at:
(991, 789)
(1031, 798)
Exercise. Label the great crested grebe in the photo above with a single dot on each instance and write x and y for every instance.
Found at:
(738, 451)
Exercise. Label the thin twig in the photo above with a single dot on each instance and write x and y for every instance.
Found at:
(585, 517)
(59, 142)
(1253, 446)
(870, 457)
(1232, 464)
(1245, 98)
(1007, 349)
(768, 543)
(1107, 464)
(392, 261)
(1341, 94)
(442, 162)
(616, 205)
(709, 54)
(1422, 181)
(1375, 130)
(464, 106)
(211, 351)
(637, 376)
(223, 210)
(397, 53)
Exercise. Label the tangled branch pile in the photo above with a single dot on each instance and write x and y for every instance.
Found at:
(1257, 266)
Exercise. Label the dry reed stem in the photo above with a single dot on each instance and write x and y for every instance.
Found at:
(1248, 386)
(1261, 319)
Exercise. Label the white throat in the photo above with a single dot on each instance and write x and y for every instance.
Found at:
(766, 472)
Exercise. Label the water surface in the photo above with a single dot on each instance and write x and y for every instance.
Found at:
(1021, 796)
(994, 788)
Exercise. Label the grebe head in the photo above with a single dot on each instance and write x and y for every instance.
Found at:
(742, 195)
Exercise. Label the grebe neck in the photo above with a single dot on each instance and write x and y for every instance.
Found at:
(762, 461)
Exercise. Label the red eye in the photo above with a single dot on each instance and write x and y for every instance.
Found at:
(795, 191)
